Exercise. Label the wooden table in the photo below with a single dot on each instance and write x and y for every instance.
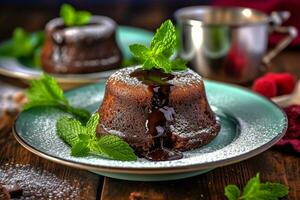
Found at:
(272, 165)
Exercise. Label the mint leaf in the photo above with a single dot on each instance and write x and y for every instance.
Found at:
(68, 130)
(139, 51)
(232, 192)
(255, 190)
(43, 92)
(252, 186)
(164, 40)
(115, 148)
(80, 149)
(24, 46)
(68, 14)
(161, 60)
(149, 64)
(72, 130)
(83, 139)
(178, 65)
(276, 189)
(261, 195)
(30, 49)
(83, 17)
(46, 92)
(71, 17)
(36, 58)
(91, 125)
(80, 113)
(162, 47)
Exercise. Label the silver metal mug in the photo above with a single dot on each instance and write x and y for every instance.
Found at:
(229, 43)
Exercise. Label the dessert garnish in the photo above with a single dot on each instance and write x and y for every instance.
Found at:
(274, 84)
(265, 86)
(84, 141)
(24, 46)
(285, 82)
(78, 132)
(255, 189)
(73, 17)
(46, 92)
(162, 47)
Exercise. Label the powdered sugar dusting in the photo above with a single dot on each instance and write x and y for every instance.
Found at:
(37, 183)
(181, 78)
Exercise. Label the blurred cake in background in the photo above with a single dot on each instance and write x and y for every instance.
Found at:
(75, 48)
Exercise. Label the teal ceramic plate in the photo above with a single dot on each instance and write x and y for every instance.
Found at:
(125, 36)
(250, 124)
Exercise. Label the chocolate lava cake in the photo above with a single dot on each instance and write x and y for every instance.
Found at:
(80, 49)
(158, 114)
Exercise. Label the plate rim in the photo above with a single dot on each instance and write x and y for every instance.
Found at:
(165, 170)
(74, 78)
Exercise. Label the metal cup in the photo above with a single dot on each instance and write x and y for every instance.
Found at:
(229, 43)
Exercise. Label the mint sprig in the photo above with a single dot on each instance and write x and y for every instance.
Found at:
(256, 190)
(71, 17)
(162, 47)
(24, 46)
(46, 92)
(83, 140)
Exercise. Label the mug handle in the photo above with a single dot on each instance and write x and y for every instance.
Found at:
(276, 19)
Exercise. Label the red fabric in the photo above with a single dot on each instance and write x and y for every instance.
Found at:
(267, 6)
(292, 137)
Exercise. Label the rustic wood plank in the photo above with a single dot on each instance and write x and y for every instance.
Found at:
(272, 165)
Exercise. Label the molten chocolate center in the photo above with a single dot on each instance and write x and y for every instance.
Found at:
(160, 113)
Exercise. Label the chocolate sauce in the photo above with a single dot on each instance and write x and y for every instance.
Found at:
(163, 154)
(160, 113)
